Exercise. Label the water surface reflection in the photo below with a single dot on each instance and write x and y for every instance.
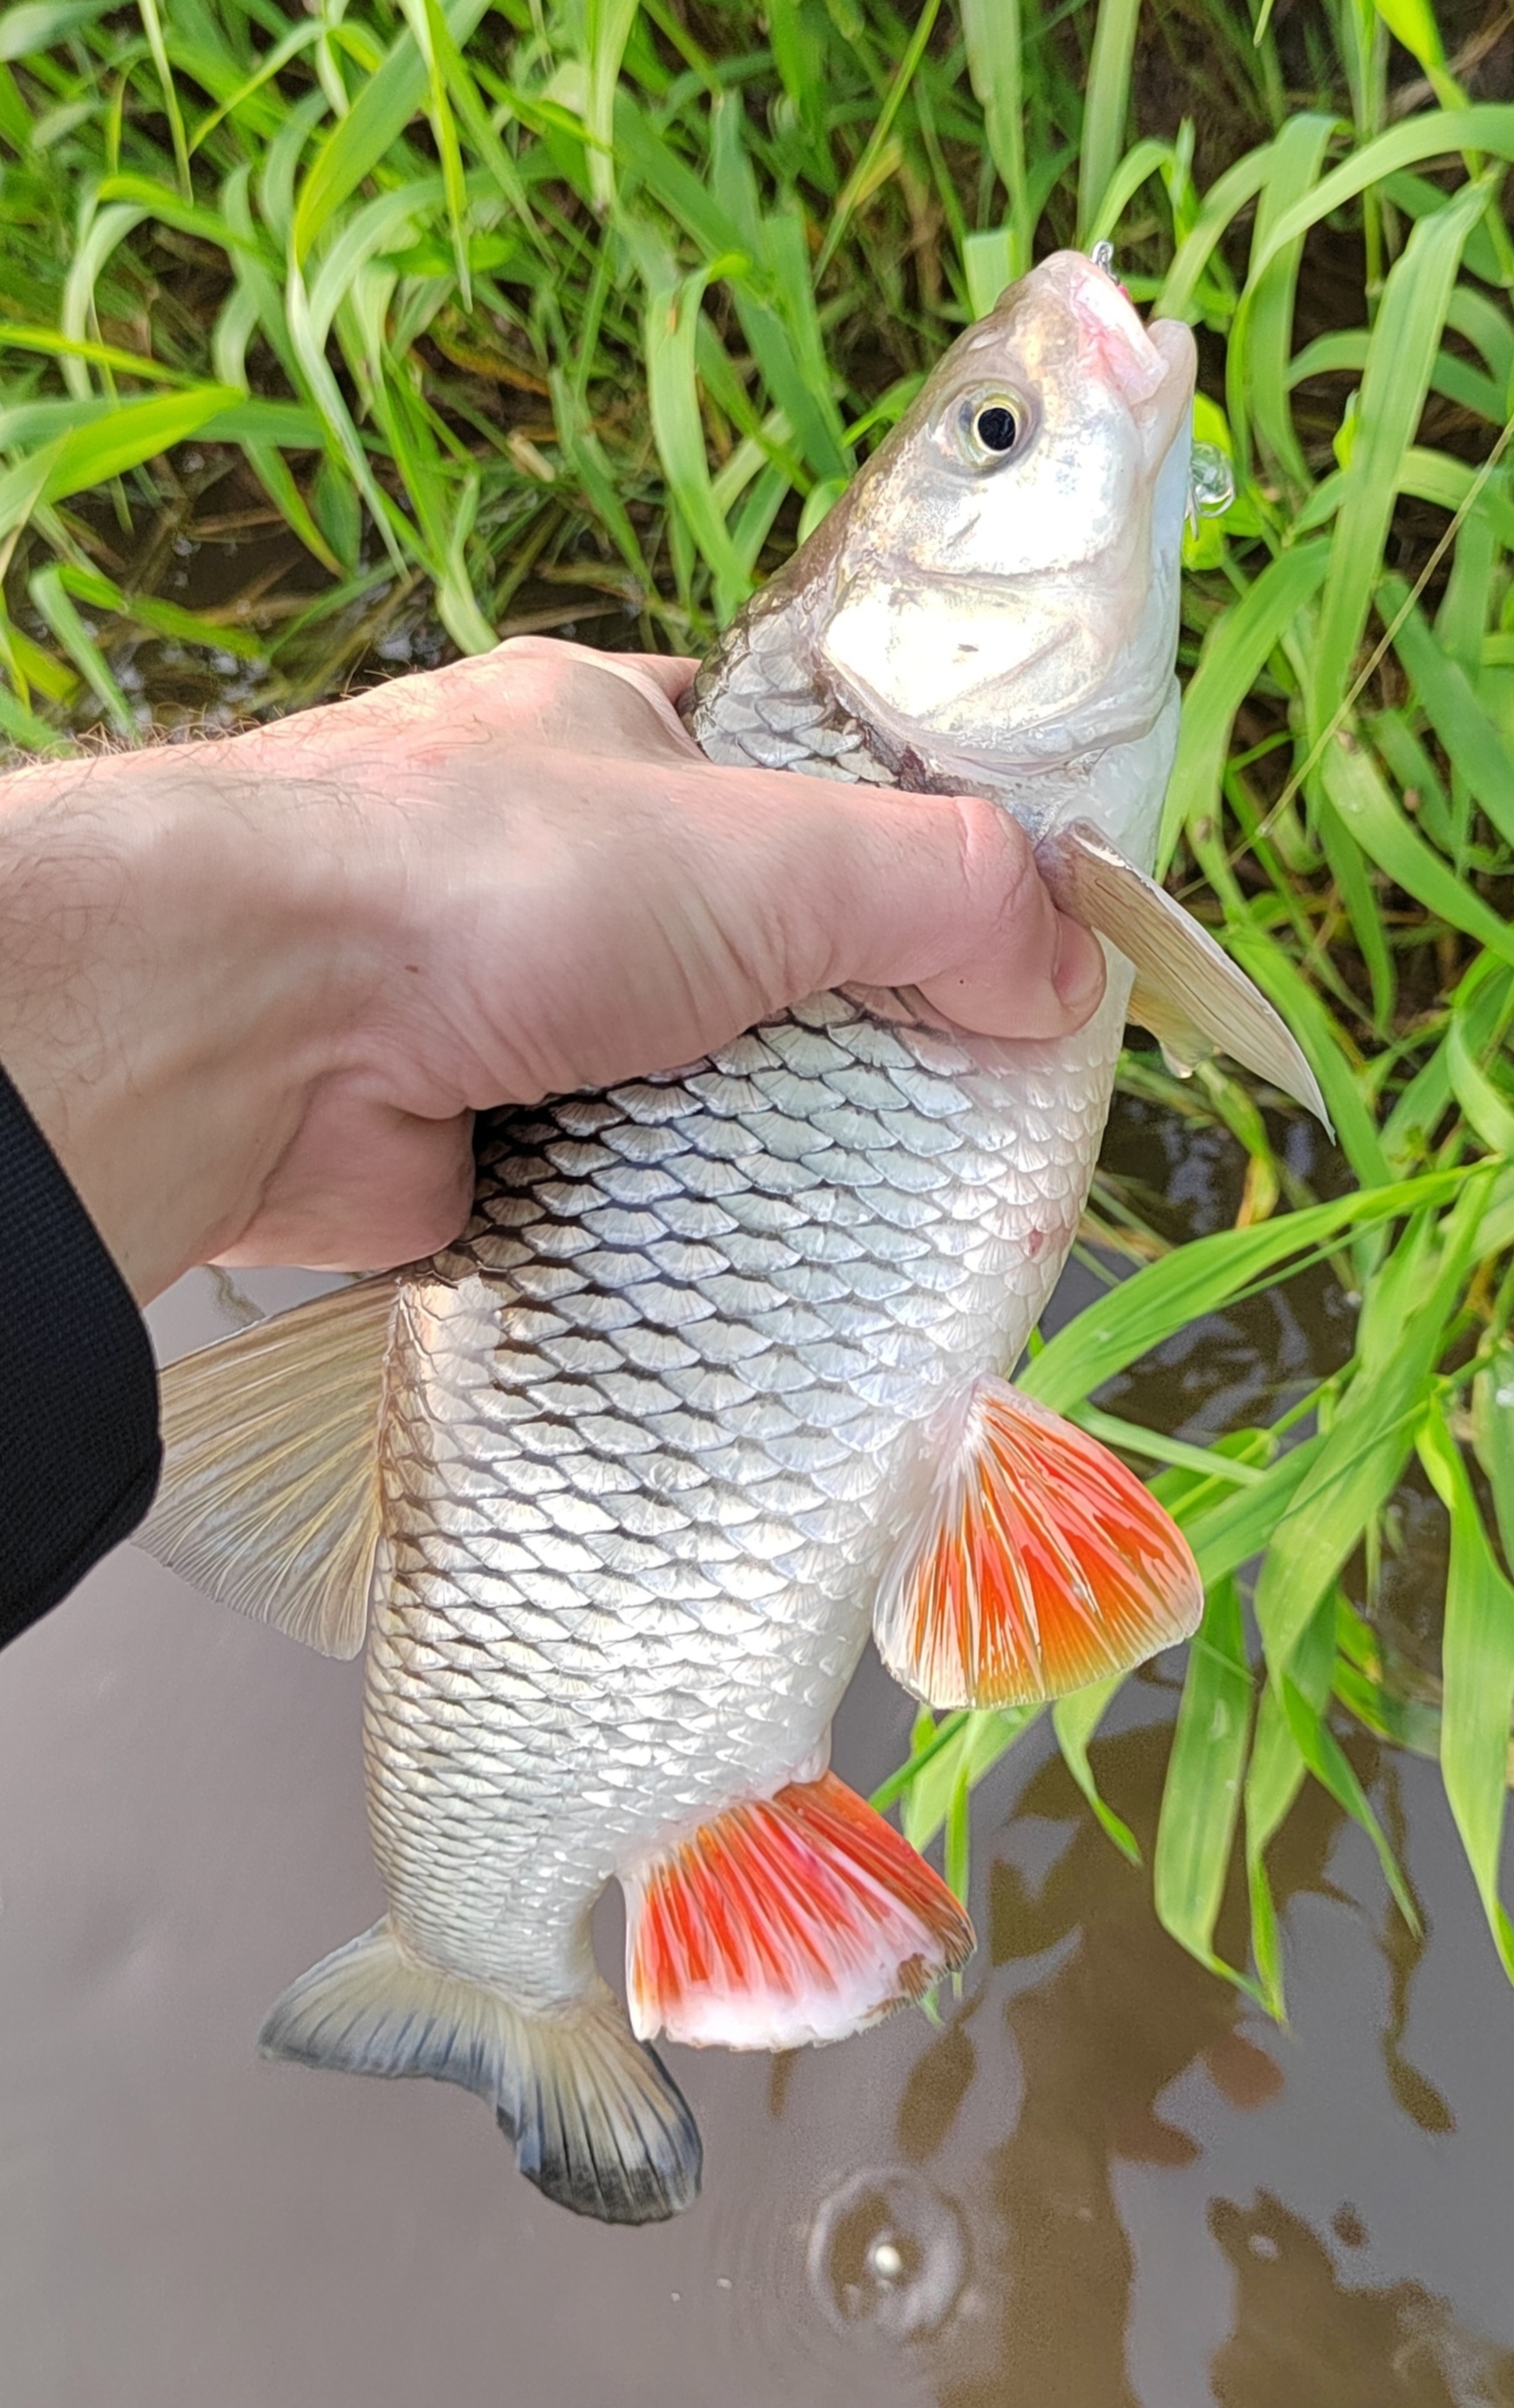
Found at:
(1104, 2182)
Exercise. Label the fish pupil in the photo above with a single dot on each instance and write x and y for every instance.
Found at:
(996, 428)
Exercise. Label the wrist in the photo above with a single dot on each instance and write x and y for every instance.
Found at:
(172, 983)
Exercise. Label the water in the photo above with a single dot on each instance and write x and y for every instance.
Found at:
(1105, 2182)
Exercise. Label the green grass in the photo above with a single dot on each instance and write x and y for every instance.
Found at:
(580, 314)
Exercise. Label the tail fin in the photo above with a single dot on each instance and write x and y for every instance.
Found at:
(787, 1919)
(597, 2122)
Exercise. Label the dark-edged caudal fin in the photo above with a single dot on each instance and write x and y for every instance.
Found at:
(597, 2122)
(1035, 1563)
(798, 1917)
(269, 1496)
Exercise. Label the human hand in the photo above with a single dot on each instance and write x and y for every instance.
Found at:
(254, 990)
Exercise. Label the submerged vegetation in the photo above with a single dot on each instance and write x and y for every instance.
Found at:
(333, 338)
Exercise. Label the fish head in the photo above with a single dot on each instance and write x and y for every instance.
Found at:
(1004, 587)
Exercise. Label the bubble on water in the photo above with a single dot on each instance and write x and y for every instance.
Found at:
(887, 2256)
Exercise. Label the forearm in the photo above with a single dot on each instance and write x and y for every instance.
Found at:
(169, 981)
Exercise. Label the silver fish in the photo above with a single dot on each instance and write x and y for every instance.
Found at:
(711, 1383)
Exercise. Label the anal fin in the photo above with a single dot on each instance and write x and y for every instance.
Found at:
(269, 1496)
(788, 1919)
(1036, 1562)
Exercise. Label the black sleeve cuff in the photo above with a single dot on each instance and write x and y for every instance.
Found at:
(79, 1452)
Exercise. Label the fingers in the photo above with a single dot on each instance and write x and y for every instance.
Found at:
(639, 671)
(945, 887)
(365, 1186)
(673, 674)
(806, 882)
(578, 696)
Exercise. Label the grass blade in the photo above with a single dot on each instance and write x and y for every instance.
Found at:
(1164, 1297)
(994, 36)
(1202, 1795)
(45, 589)
(1405, 345)
(975, 1744)
(1478, 1675)
(1360, 793)
(1236, 650)
(1106, 107)
(377, 116)
(1075, 1720)
(1359, 1462)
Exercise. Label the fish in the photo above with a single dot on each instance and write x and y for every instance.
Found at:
(715, 1380)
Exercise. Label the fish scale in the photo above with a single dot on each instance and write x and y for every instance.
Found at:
(893, 1207)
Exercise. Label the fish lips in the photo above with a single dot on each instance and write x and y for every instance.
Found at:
(1151, 367)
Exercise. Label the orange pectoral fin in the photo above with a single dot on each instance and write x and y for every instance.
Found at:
(785, 1920)
(1037, 1563)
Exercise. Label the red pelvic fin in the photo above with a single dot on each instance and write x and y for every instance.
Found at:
(794, 1918)
(1037, 1563)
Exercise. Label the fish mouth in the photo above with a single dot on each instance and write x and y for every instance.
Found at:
(1150, 364)
(1112, 333)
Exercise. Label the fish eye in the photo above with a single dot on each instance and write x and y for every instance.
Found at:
(996, 427)
(991, 427)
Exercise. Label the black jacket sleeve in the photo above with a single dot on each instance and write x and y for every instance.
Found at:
(79, 1452)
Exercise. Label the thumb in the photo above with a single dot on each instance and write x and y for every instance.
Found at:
(1024, 967)
(942, 892)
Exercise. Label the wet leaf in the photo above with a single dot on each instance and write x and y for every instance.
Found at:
(1477, 1676)
(1075, 1720)
(1202, 1795)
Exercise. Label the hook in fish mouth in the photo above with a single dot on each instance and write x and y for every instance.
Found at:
(1102, 255)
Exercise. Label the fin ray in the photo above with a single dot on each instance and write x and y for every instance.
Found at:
(796, 1918)
(269, 1496)
(1194, 1000)
(598, 2124)
(1035, 1563)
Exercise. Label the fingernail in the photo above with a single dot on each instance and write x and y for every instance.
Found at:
(1077, 973)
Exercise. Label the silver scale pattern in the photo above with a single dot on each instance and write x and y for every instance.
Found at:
(643, 1445)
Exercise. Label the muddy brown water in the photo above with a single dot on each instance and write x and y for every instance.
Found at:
(1104, 2182)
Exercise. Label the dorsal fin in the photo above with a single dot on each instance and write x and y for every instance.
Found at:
(269, 1499)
